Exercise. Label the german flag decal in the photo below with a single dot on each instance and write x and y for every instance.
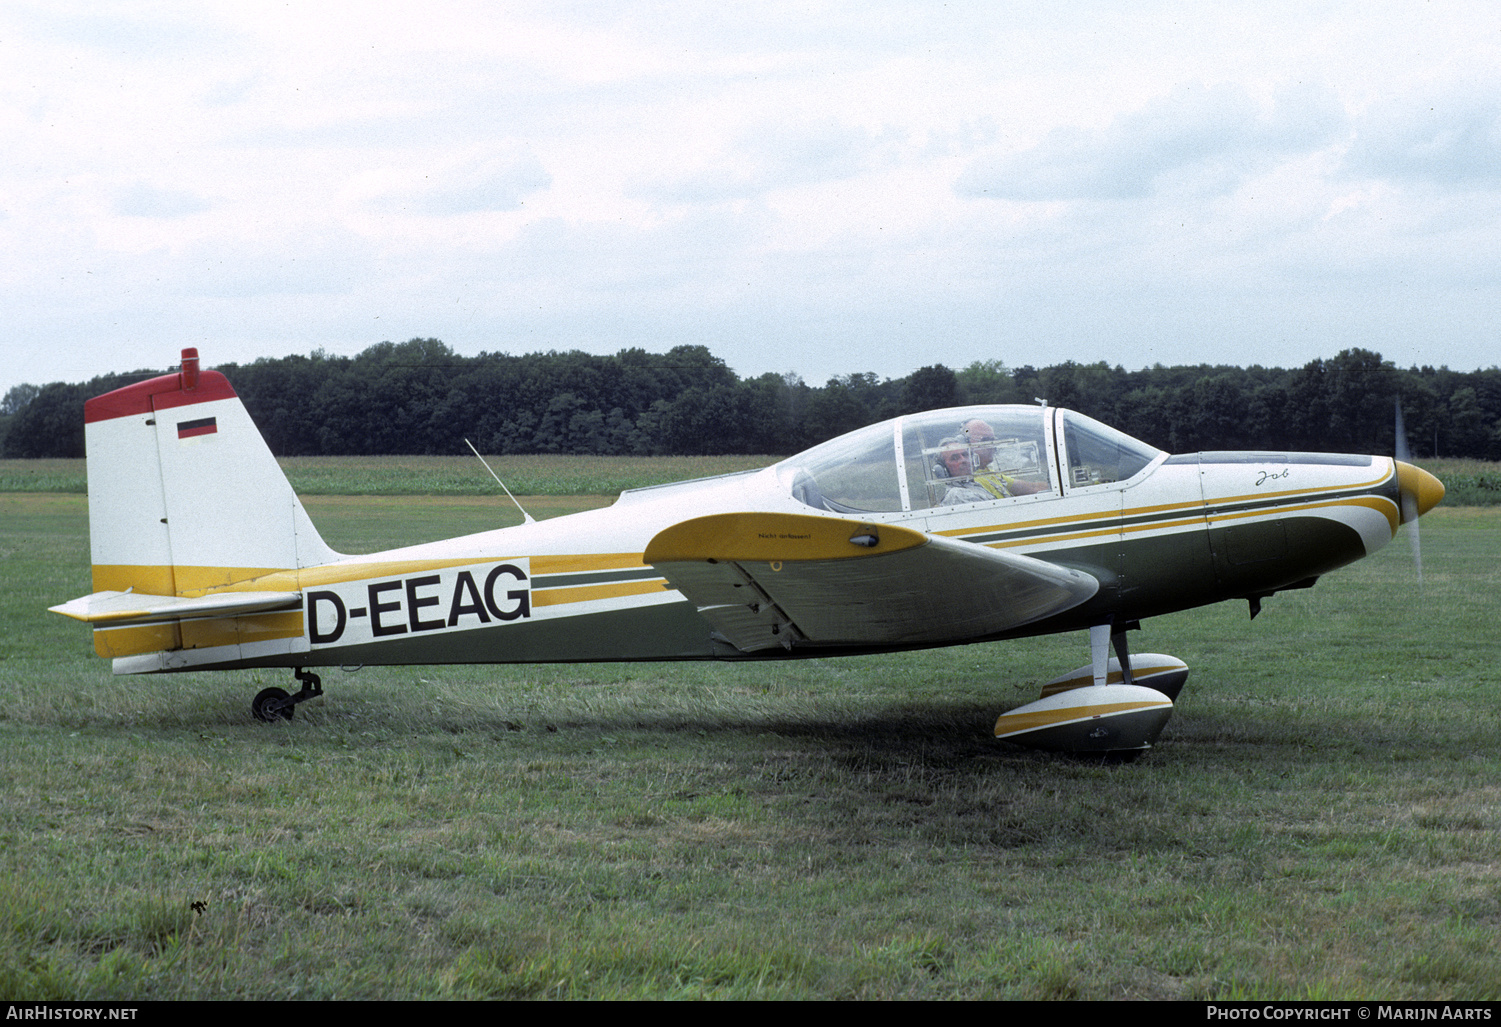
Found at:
(195, 429)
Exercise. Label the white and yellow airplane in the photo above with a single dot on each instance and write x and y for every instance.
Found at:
(943, 528)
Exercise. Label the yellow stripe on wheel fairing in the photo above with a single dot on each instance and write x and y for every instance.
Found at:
(1015, 723)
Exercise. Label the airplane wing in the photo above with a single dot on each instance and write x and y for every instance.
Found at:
(770, 579)
(114, 609)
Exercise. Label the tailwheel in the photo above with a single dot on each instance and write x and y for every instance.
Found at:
(272, 704)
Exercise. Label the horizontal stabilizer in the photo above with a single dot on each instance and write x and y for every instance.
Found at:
(112, 609)
(764, 580)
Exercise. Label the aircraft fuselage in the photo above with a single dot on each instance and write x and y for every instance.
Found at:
(1192, 530)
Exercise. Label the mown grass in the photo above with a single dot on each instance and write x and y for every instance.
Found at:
(1319, 820)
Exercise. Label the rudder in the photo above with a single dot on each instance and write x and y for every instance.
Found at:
(185, 498)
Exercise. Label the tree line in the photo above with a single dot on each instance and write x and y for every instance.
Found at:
(420, 397)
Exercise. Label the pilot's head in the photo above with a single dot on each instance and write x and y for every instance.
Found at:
(954, 455)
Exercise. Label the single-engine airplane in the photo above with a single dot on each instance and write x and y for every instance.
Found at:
(949, 527)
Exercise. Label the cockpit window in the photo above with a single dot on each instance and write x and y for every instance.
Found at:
(975, 454)
(854, 473)
(960, 456)
(1098, 454)
(947, 457)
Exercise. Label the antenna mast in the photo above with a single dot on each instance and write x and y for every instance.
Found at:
(526, 517)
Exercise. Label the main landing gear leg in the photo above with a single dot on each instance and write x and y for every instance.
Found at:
(273, 704)
(1104, 637)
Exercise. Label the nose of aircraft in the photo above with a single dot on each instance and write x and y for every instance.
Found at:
(1421, 491)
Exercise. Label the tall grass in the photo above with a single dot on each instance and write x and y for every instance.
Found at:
(57, 475)
(433, 475)
(531, 475)
(1468, 482)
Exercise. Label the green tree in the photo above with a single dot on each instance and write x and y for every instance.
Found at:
(18, 397)
(1215, 415)
(1344, 405)
(1469, 433)
(930, 388)
(988, 381)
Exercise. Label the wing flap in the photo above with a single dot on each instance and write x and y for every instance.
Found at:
(749, 629)
(765, 580)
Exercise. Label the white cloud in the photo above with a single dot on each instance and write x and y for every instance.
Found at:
(1447, 138)
(765, 158)
(484, 185)
(1205, 138)
(823, 188)
(147, 201)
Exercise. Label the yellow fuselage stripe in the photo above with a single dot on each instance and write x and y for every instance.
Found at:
(586, 593)
(196, 581)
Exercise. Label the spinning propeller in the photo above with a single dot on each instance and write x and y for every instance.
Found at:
(1419, 490)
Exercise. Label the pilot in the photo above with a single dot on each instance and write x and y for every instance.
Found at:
(967, 456)
(957, 464)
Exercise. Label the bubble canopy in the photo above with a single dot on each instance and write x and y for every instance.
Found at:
(964, 455)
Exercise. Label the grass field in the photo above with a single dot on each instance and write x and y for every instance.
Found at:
(1320, 819)
(1469, 482)
(537, 475)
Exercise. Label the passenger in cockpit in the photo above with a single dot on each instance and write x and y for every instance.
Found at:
(968, 460)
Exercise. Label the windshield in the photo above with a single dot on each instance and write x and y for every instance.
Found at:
(1098, 454)
(947, 457)
(850, 474)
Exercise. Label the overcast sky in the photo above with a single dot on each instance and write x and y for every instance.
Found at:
(810, 187)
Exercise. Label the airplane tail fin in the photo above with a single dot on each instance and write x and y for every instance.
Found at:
(186, 500)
